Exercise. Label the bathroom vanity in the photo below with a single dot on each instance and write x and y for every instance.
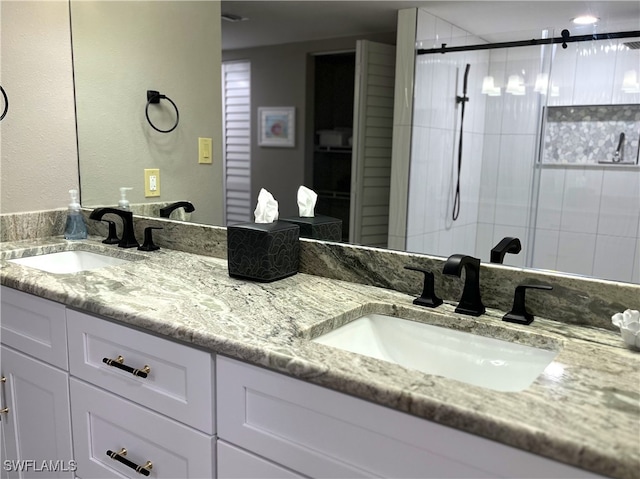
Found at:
(235, 388)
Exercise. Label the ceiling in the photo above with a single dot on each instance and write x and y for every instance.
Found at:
(277, 22)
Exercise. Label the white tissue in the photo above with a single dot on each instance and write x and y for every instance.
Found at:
(267, 209)
(629, 324)
(306, 202)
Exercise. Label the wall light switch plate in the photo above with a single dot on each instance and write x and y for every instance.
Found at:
(151, 182)
(204, 150)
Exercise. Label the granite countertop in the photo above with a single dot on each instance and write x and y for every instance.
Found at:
(583, 411)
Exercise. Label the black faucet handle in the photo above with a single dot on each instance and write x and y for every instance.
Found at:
(112, 236)
(519, 313)
(148, 244)
(428, 297)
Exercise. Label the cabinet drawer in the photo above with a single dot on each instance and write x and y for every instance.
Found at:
(322, 433)
(34, 326)
(179, 383)
(104, 422)
(236, 463)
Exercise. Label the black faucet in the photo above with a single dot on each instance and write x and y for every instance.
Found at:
(470, 302)
(165, 211)
(128, 236)
(506, 245)
(618, 156)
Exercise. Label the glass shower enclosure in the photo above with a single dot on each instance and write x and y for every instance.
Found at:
(549, 152)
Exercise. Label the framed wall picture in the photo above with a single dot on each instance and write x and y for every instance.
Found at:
(277, 126)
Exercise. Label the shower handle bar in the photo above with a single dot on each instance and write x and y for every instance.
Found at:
(460, 99)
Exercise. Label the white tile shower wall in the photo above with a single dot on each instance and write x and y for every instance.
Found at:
(602, 206)
(619, 203)
(508, 154)
(585, 74)
(514, 180)
(594, 74)
(433, 173)
(581, 200)
(484, 240)
(550, 199)
(573, 220)
(614, 257)
(563, 76)
(576, 252)
(545, 252)
(520, 113)
(599, 214)
(626, 60)
(489, 178)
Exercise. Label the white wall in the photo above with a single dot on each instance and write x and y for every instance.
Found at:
(38, 155)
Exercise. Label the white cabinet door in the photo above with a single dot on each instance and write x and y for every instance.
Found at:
(105, 422)
(37, 427)
(236, 463)
(34, 326)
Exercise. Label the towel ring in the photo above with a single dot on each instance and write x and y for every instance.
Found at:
(6, 103)
(155, 97)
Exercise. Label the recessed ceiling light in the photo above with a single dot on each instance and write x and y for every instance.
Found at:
(585, 20)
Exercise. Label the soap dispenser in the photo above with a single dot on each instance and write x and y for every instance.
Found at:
(75, 228)
(123, 204)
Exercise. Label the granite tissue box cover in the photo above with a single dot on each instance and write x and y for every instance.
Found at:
(318, 227)
(263, 251)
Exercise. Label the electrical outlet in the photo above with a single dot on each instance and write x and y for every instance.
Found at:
(151, 182)
(204, 150)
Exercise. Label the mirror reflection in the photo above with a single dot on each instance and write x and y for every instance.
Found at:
(120, 51)
(541, 131)
(531, 151)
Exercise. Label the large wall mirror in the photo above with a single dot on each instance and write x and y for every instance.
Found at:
(521, 174)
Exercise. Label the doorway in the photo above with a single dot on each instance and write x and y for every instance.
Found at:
(333, 129)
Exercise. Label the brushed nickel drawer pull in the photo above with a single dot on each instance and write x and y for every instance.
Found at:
(120, 457)
(4, 410)
(119, 363)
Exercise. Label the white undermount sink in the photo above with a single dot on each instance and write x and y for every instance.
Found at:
(466, 357)
(69, 261)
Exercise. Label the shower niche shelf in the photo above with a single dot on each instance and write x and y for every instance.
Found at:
(585, 135)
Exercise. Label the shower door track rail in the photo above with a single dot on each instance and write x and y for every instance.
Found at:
(564, 39)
